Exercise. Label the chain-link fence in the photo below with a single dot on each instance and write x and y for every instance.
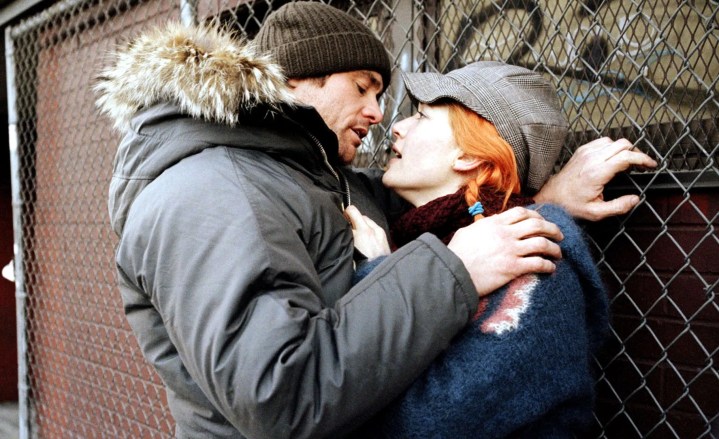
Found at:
(646, 70)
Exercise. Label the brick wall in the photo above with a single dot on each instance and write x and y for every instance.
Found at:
(662, 271)
(87, 374)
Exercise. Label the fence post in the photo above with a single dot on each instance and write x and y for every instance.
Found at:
(18, 248)
(188, 12)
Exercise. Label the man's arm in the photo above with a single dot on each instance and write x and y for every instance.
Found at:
(578, 187)
(516, 242)
(225, 288)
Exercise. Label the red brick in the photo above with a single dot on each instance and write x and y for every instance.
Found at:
(691, 391)
(701, 247)
(690, 296)
(684, 425)
(689, 345)
(663, 252)
(642, 295)
(627, 383)
(653, 212)
(627, 422)
(73, 162)
(702, 207)
(640, 339)
(623, 255)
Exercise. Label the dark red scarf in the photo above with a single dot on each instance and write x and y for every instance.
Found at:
(444, 215)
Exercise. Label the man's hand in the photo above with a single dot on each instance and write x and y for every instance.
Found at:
(579, 184)
(369, 238)
(502, 247)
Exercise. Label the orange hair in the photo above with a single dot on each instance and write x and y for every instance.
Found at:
(477, 137)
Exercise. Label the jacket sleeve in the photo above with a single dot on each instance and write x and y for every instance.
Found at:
(239, 300)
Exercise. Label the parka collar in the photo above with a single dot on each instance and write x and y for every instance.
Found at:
(206, 72)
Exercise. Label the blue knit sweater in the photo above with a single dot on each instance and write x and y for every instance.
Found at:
(522, 368)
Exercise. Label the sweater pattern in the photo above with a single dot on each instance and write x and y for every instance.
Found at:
(523, 367)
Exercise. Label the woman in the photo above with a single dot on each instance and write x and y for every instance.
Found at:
(482, 135)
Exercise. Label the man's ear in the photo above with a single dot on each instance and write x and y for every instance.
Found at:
(465, 162)
(292, 83)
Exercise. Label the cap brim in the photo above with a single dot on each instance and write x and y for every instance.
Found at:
(429, 88)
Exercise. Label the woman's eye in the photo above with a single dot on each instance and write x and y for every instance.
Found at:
(420, 115)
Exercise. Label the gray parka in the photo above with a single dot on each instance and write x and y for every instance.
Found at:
(234, 260)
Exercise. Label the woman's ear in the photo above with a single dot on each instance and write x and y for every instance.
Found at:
(465, 162)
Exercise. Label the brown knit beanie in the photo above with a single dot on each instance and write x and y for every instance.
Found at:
(311, 39)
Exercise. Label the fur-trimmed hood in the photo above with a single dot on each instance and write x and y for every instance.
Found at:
(177, 91)
(207, 72)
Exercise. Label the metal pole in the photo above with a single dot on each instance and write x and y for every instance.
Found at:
(405, 29)
(45, 16)
(188, 12)
(17, 208)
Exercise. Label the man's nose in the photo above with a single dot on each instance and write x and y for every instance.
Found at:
(373, 112)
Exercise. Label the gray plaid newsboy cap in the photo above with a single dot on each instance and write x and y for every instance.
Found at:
(521, 104)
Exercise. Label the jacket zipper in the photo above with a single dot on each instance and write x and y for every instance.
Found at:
(346, 200)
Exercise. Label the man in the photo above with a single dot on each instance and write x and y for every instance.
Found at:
(235, 259)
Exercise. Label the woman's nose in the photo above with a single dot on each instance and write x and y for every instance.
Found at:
(399, 129)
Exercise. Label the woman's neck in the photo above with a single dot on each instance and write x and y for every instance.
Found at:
(422, 196)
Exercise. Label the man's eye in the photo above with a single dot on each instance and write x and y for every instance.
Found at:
(420, 115)
(362, 90)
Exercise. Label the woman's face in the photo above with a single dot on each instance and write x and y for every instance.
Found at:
(426, 151)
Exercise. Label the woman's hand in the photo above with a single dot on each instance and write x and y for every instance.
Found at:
(579, 185)
(370, 239)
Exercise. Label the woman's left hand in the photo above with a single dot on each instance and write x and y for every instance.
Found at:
(579, 185)
(370, 239)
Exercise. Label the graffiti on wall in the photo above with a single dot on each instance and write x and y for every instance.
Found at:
(617, 64)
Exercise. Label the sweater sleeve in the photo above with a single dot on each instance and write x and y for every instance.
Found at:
(523, 367)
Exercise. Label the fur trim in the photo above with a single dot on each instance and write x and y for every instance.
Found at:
(208, 72)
